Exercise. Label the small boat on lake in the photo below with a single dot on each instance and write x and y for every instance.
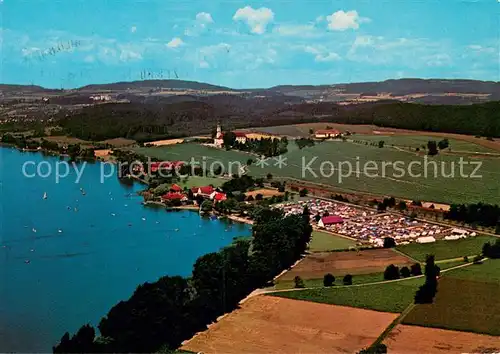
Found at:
(45, 195)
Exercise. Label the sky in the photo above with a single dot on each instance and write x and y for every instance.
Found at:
(247, 44)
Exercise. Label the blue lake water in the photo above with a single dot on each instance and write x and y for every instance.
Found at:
(83, 261)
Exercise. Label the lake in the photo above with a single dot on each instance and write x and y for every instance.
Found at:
(67, 259)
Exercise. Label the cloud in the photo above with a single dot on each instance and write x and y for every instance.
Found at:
(256, 19)
(439, 59)
(303, 31)
(200, 24)
(175, 43)
(133, 29)
(327, 57)
(479, 49)
(321, 53)
(204, 18)
(341, 21)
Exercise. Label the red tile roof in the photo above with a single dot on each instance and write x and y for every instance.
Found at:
(172, 195)
(332, 219)
(327, 131)
(206, 190)
(240, 134)
(176, 188)
(220, 197)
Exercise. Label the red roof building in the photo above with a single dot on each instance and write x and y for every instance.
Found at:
(219, 197)
(174, 196)
(330, 220)
(327, 133)
(207, 190)
(176, 188)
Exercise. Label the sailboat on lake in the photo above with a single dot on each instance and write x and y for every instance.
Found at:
(45, 195)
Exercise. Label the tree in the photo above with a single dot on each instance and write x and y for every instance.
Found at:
(229, 139)
(381, 144)
(249, 162)
(298, 282)
(347, 279)
(416, 269)
(259, 196)
(303, 192)
(269, 176)
(311, 131)
(206, 206)
(405, 272)
(328, 280)
(425, 294)
(391, 272)
(402, 206)
(389, 242)
(432, 148)
(443, 144)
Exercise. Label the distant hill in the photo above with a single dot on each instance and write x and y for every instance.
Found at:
(154, 84)
(403, 87)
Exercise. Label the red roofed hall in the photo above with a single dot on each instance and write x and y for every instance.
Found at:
(219, 197)
(326, 133)
(173, 196)
(330, 220)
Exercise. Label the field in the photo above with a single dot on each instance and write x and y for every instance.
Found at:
(200, 153)
(322, 241)
(464, 305)
(390, 297)
(432, 340)
(446, 249)
(318, 283)
(489, 272)
(119, 142)
(166, 142)
(417, 141)
(316, 265)
(335, 164)
(197, 181)
(267, 324)
(303, 130)
(266, 193)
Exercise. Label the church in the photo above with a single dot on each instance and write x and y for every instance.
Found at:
(219, 137)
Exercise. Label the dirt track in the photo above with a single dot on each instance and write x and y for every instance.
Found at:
(316, 265)
(267, 324)
(412, 340)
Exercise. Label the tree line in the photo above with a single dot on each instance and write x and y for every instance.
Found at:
(164, 313)
(475, 214)
(267, 147)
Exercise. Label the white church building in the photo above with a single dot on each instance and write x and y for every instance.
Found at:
(219, 137)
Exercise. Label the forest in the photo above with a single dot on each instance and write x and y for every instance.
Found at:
(146, 122)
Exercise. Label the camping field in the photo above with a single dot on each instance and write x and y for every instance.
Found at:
(389, 297)
(269, 324)
(470, 246)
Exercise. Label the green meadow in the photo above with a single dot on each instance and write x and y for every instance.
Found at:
(335, 163)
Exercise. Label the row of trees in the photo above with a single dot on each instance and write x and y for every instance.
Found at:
(475, 214)
(75, 151)
(265, 146)
(304, 142)
(173, 309)
(393, 272)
